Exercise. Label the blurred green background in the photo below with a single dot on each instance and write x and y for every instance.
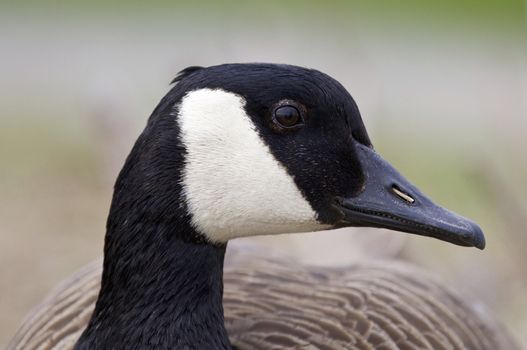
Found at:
(442, 87)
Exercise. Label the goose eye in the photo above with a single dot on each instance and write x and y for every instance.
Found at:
(288, 116)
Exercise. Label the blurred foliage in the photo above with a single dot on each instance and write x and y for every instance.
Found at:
(498, 14)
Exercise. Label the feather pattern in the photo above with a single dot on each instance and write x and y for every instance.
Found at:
(279, 304)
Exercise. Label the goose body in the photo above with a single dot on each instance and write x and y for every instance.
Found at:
(251, 149)
(280, 304)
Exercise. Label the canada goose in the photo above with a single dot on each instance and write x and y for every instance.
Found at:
(250, 149)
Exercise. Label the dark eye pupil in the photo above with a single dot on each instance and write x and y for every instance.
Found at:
(287, 116)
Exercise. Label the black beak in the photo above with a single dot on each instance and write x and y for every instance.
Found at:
(388, 200)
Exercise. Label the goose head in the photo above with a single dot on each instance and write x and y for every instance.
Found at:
(252, 149)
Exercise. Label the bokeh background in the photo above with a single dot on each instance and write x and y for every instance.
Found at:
(442, 86)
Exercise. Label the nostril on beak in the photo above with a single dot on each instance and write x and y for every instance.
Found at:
(402, 195)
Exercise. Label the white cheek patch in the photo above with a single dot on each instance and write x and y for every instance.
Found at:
(232, 183)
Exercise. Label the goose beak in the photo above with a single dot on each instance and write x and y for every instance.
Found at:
(389, 201)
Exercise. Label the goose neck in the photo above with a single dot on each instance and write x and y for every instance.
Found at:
(164, 293)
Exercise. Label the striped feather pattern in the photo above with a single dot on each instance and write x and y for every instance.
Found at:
(278, 304)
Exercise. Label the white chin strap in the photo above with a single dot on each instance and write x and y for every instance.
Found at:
(232, 183)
